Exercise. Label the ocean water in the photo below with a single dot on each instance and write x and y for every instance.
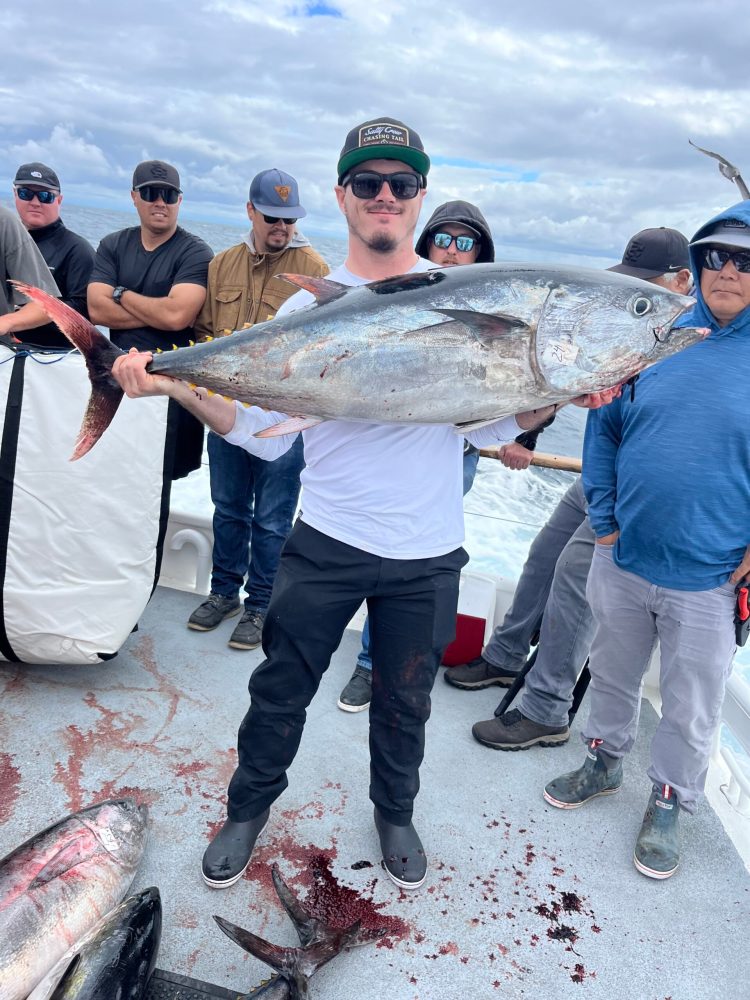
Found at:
(504, 509)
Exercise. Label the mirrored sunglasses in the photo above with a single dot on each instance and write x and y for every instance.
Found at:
(714, 259)
(45, 197)
(463, 243)
(367, 184)
(273, 219)
(152, 192)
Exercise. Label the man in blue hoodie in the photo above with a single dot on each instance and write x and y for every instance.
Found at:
(667, 478)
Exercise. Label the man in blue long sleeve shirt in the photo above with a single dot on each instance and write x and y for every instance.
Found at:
(667, 478)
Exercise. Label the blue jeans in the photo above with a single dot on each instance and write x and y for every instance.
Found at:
(471, 459)
(254, 504)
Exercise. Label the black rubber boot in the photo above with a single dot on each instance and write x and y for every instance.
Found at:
(227, 856)
(403, 854)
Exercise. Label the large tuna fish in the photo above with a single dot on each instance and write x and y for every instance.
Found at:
(114, 961)
(457, 345)
(59, 883)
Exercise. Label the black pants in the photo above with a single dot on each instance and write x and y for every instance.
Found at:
(319, 585)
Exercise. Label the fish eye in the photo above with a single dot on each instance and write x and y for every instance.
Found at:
(641, 306)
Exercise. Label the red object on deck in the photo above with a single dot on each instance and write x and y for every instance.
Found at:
(468, 642)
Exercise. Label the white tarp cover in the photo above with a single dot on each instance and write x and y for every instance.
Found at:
(81, 546)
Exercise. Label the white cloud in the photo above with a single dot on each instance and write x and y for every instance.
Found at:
(592, 104)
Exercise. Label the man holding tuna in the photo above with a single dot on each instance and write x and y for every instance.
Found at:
(382, 520)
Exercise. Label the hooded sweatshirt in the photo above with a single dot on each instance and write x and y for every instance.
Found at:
(466, 214)
(670, 467)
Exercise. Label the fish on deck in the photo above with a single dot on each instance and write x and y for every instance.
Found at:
(55, 886)
(115, 960)
(320, 943)
(461, 346)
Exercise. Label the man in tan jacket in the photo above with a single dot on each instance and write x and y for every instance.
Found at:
(254, 500)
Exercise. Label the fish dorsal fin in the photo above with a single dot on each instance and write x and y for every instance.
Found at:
(486, 327)
(323, 289)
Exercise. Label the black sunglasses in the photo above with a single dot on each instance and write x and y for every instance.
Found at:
(273, 219)
(45, 197)
(463, 243)
(715, 259)
(367, 184)
(152, 192)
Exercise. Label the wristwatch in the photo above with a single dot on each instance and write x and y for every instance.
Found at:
(118, 293)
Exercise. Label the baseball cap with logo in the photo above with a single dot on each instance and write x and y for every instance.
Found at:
(383, 139)
(654, 252)
(156, 172)
(728, 233)
(276, 193)
(38, 174)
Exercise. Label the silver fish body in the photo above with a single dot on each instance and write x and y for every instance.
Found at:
(453, 345)
(459, 345)
(59, 883)
(114, 960)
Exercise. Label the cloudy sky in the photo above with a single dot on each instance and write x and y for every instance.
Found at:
(566, 122)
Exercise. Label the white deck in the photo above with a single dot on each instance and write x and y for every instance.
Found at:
(159, 721)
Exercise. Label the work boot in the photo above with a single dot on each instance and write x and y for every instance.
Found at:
(357, 693)
(403, 855)
(248, 631)
(213, 611)
(513, 731)
(575, 788)
(226, 858)
(477, 674)
(657, 849)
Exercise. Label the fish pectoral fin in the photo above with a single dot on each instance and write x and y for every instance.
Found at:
(291, 426)
(486, 327)
(474, 425)
(323, 289)
(66, 858)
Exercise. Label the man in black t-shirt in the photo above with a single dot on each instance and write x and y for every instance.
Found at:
(149, 283)
(38, 197)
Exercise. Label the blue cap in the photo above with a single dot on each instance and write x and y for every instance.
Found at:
(274, 192)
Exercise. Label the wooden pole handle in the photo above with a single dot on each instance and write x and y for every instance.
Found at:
(543, 460)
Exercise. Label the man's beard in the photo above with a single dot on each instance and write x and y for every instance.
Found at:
(382, 243)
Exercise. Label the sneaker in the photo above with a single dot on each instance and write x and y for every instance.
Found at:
(213, 611)
(476, 674)
(575, 788)
(248, 631)
(513, 731)
(357, 694)
(657, 849)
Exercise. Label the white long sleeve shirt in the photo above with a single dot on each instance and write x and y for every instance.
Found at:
(394, 490)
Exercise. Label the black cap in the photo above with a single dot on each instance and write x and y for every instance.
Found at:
(654, 252)
(383, 139)
(38, 174)
(156, 172)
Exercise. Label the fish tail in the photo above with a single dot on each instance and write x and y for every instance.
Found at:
(99, 354)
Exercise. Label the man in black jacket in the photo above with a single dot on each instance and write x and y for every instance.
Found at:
(69, 256)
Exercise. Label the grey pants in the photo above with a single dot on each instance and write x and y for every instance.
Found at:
(553, 585)
(695, 630)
